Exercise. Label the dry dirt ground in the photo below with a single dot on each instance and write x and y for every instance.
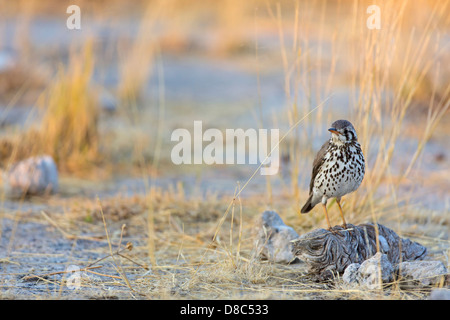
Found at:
(42, 238)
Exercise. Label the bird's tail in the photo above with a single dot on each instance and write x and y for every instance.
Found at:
(308, 205)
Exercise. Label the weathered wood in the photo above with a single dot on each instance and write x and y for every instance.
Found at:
(328, 253)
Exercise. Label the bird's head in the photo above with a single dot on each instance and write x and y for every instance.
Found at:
(342, 131)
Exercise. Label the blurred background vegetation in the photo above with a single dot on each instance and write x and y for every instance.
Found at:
(104, 100)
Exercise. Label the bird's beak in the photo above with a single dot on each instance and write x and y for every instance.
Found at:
(333, 130)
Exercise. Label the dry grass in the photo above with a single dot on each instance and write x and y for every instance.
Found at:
(202, 247)
(69, 130)
(188, 263)
(69, 127)
(388, 69)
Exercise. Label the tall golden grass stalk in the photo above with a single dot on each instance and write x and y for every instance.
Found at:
(137, 56)
(393, 65)
(69, 129)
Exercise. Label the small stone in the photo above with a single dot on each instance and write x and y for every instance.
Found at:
(439, 294)
(351, 274)
(33, 176)
(375, 271)
(274, 238)
(422, 273)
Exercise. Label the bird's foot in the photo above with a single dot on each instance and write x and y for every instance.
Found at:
(332, 230)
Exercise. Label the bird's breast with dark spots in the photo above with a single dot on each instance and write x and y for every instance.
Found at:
(341, 172)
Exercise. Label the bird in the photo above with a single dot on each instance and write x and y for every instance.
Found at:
(338, 169)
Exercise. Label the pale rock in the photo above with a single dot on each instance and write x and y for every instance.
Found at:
(33, 176)
(375, 271)
(439, 294)
(351, 274)
(368, 273)
(423, 273)
(274, 238)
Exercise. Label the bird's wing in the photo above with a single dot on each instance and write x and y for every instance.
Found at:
(318, 160)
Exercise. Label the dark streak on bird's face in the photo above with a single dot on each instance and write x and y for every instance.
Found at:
(342, 131)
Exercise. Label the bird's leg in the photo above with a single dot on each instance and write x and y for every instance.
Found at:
(324, 206)
(338, 200)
